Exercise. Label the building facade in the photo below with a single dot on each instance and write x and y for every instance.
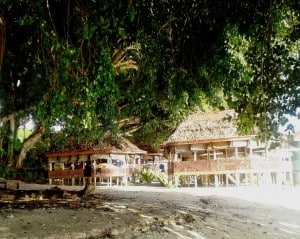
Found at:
(207, 150)
(108, 166)
(296, 158)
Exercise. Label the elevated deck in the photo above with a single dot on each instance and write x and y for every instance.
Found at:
(227, 166)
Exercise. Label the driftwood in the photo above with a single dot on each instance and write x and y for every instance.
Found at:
(54, 193)
(53, 198)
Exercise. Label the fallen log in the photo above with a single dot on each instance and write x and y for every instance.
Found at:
(53, 193)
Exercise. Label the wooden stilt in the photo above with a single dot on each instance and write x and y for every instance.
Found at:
(226, 179)
(216, 181)
(237, 179)
(251, 179)
(50, 169)
(176, 181)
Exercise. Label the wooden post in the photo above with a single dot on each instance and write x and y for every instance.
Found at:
(95, 167)
(206, 180)
(196, 183)
(216, 180)
(195, 155)
(221, 179)
(215, 155)
(176, 181)
(237, 179)
(63, 180)
(123, 181)
(249, 179)
(291, 178)
(226, 179)
(50, 169)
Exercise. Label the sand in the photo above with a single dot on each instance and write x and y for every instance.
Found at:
(156, 212)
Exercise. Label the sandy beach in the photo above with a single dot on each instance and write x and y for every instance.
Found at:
(156, 212)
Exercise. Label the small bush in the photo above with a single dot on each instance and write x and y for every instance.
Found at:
(163, 179)
(6, 172)
(147, 175)
(32, 175)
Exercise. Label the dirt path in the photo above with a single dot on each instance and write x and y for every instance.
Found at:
(143, 212)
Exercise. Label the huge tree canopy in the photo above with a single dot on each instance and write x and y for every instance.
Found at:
(134, 68)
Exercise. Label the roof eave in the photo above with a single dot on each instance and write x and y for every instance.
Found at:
(88, 152)
(205, 141)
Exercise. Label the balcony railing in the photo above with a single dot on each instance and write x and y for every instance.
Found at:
(206, 166)
(76, 173)
(104, 172)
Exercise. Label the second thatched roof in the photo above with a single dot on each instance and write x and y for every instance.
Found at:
(124, 147)
(212, 126)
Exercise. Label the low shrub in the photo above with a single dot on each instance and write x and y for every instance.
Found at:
(147, 175)
(6, 172)
(163, 179)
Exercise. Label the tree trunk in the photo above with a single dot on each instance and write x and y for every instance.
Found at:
(10, 149)
(2, 39)
(28, 144)
(10, 119)
(1, 147)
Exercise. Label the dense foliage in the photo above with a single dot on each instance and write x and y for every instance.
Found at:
(135, 68)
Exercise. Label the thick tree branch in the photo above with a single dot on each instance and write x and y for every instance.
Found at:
(28, 144)
(2, 39)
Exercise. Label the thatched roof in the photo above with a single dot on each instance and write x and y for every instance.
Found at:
(207, 127)
(125, 147)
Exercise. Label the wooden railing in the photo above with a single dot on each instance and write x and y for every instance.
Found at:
(227, 165)
(112, 172)
(104, 172)
(76, 173)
